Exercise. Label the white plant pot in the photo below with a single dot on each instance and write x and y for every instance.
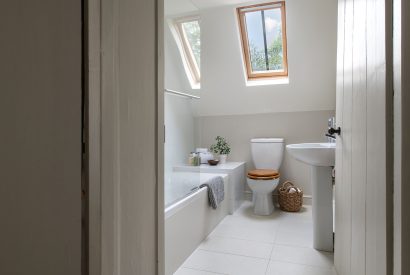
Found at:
(222, 158)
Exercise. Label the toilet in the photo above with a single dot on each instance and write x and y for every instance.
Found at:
(267, 155)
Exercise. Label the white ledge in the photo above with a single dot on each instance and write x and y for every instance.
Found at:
(265, 82)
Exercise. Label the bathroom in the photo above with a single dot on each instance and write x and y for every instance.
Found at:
(210, 91)
(196, 137)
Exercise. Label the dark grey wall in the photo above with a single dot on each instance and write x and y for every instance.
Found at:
(40, 140)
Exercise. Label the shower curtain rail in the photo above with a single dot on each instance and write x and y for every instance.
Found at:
(182, 94)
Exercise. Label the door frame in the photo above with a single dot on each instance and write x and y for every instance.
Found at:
(401, 66)
(160, 138)
(93, 73)
(101, 22)
(101, 175)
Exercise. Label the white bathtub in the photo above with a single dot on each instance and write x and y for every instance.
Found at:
(189, 220)
(237, 179)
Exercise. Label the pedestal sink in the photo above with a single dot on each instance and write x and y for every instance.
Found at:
(321, 158)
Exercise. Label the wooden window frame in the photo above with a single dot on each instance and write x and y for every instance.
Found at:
(241, 11)
(186, 50)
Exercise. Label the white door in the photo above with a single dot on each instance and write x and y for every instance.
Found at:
(40, 137)
(363, 194)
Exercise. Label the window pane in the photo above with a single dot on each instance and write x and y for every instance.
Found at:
(193, 35)
(256, 42)
(273, 26)
(264, 33)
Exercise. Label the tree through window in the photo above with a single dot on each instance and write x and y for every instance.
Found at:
(263, 33)
(189, 35)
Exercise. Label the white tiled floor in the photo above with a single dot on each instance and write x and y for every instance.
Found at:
(245, 244)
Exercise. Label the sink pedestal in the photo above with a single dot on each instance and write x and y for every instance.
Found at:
(322, 208)
(321, 157)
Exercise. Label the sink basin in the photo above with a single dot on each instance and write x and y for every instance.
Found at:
(316, 154)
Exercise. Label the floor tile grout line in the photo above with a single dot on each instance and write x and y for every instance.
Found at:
(293, 245)
(306, 247)
(271, 252)
(288, 262)
(241, 239)
(233, 254)
(270, 257)
(235, 238)
(204, 270)
(267, 268)
(260, 242)
(276, 233)
(273, 224)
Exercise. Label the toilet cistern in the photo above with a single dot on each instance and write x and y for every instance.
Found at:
(267, 155)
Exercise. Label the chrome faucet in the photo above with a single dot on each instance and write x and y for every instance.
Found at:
(331, 125)
(331, 122)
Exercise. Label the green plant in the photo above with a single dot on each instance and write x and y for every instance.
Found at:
(221, 147)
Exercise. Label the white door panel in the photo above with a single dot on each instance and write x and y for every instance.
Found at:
(362, 149)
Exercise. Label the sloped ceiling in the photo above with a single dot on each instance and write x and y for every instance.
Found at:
(174, 7)
(205, 4)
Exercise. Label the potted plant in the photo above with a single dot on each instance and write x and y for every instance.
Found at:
(221, 148)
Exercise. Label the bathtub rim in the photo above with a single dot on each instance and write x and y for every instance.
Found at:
(172, 209)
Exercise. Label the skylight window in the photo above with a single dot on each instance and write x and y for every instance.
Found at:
(188, 34)
(263, 33)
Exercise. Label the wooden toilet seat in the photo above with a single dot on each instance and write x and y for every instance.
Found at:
(263, 174)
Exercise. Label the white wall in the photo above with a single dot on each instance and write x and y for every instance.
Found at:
(179, 132)
(295, 127)
(179, 119)
(311, 31)
(297, 111)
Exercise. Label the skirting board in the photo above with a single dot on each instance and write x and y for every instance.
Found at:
(307, 199)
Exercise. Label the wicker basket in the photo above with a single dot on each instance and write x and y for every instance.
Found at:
(290, 202)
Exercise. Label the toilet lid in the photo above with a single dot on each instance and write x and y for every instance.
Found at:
(263, 174)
